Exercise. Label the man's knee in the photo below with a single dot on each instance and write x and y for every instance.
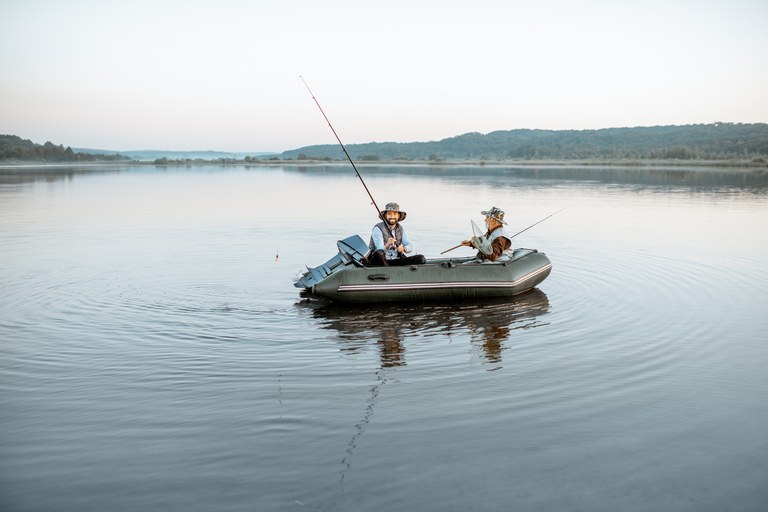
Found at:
(377, 259)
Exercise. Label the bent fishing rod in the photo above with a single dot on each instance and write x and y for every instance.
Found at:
(513, 236)
(378, 211)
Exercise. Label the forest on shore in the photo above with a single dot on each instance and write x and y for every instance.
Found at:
(14, 148)
(717, 141)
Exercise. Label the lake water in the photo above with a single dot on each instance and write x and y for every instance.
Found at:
(154, 354)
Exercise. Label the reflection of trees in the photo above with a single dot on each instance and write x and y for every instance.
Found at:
(488, 322)
(22, 175)
(706, 175)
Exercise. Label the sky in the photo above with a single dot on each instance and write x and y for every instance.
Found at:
(224, 74)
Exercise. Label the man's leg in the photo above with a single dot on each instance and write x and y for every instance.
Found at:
(377, 259)
(417, 259)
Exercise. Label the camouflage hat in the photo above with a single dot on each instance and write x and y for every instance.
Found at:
(494, 213)
(393, 207)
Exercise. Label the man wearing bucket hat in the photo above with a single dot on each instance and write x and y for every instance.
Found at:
(499, 244)
(389, 244)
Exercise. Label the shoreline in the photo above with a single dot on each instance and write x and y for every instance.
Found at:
(753, 164)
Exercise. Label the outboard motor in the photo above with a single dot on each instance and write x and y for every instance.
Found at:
(352, 250)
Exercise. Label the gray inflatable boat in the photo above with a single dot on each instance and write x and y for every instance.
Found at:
(345, 278)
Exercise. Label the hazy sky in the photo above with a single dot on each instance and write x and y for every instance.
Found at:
(224, 75)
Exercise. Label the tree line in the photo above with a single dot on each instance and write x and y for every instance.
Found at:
(15, 148)
(716, 141)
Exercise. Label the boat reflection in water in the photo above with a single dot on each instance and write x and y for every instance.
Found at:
(488, 323)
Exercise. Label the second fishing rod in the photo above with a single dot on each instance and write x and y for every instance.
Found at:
(513, 236)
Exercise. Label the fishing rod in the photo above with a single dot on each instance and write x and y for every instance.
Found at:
(539, 222)
(513, 236)
(378, 211)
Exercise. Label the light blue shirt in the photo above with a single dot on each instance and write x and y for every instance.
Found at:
(378, 242)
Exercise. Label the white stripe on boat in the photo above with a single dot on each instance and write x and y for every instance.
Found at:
(434, 286)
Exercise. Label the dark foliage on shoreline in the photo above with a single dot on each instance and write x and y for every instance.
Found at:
(15, 148)
(717, 141)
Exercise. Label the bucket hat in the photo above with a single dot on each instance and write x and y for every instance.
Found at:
(494, 213)
(393, 207)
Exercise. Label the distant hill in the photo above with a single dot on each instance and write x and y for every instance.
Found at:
(15, 148)
(717, 141)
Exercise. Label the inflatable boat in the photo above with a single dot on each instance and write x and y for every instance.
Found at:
(346, 279)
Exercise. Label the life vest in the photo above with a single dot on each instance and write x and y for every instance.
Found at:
(493, 235)
(390, 254)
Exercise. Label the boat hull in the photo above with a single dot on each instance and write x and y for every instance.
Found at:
(438, 279)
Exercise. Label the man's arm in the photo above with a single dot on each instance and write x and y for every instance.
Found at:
(378, 238)
(407, 247)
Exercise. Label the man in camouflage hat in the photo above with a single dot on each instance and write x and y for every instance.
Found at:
(499, 246)
(389, 244)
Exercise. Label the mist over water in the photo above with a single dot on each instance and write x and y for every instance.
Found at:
(155, 355)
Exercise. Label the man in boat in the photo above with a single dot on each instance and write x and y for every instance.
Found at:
(389, 244)
(497, 245)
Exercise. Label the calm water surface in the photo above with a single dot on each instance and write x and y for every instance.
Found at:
(154, 354)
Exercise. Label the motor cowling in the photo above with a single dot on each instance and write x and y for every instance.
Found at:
(352, 251)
